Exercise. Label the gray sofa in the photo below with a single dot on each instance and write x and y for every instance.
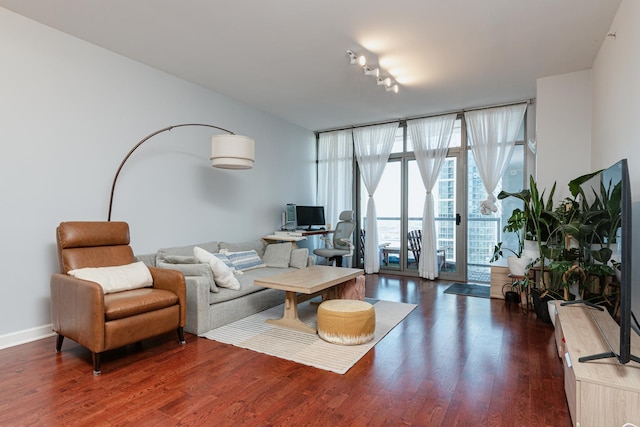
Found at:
(210, 306)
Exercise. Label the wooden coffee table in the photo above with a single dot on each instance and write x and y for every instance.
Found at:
(302, 285)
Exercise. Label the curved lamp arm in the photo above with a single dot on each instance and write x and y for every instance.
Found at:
(246, 156)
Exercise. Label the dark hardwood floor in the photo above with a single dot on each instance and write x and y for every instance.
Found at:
(454, 361)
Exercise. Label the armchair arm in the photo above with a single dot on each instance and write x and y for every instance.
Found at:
(171, 280)
(77, 310)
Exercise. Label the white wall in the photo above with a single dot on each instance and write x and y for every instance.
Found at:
(616, 95)
(616, 112)
(572, 141)
(70, 111)
(563, 130)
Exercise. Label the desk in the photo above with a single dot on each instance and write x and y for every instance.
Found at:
(314, 232)
(293, 236)
(283, 238)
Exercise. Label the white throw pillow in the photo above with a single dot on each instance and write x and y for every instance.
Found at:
(118, 278)
(222, 275)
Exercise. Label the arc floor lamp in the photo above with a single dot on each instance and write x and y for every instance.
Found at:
(228, 151)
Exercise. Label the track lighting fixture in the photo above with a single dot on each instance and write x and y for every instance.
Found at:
(387, 82)
(355, 59)
(368, 71)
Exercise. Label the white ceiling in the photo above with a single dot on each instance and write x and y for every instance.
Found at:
(288, 57)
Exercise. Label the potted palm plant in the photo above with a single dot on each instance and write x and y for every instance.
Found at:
(539, 227)
(539, 224)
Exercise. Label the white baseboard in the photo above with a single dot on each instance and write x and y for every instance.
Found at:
(25, 336)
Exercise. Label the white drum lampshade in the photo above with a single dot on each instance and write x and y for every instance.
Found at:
(232, 151)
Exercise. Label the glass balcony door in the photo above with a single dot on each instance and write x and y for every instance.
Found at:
(399, 202)
(388, 199)
(449, 238)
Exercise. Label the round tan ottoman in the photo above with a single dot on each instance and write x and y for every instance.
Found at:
(345, 321)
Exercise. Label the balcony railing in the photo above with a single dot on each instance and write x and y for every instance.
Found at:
(483, 233)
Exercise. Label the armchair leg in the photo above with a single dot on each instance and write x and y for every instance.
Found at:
(96, 363)
(59, 340)
(181, 339)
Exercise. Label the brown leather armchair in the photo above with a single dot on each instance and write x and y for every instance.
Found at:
(81, 311)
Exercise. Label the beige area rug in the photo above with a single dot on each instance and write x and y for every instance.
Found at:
(254, 334)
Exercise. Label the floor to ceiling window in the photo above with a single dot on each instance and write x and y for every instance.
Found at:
(465, 238)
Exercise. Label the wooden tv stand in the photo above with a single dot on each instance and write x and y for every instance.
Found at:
(599, 392)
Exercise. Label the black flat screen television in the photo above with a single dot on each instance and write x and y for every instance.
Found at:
(309, 216)
(613, 180)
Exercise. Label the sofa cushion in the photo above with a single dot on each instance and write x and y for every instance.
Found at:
(222, 275)
(117, 279)
(299, 258)
(244, 260)
(277, 255)
(246, 284)
(193, 270)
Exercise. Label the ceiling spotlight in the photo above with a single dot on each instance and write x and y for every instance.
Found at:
(368, 71)
(386, 82)
(352, 57)
(355, 59)
(393, 89)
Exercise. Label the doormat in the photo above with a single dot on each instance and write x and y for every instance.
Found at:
(469, 289)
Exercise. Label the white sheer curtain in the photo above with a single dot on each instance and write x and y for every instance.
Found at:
(430, 138)
(373, 146)
(492, 134)
(335, 174)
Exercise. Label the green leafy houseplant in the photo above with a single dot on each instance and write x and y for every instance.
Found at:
(539, 223)
(515, 224)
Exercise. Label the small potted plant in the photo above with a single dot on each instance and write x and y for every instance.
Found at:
(518, 264)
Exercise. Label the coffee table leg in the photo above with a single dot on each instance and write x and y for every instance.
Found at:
(290, 317)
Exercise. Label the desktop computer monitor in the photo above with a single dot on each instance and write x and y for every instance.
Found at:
(309, 216)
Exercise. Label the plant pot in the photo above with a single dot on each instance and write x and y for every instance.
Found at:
(511, 297)
(552, 311)
(518, 266)
(540, 305)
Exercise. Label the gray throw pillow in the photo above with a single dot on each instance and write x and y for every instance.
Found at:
(181, 259)
(299, 258)
(277, 255)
